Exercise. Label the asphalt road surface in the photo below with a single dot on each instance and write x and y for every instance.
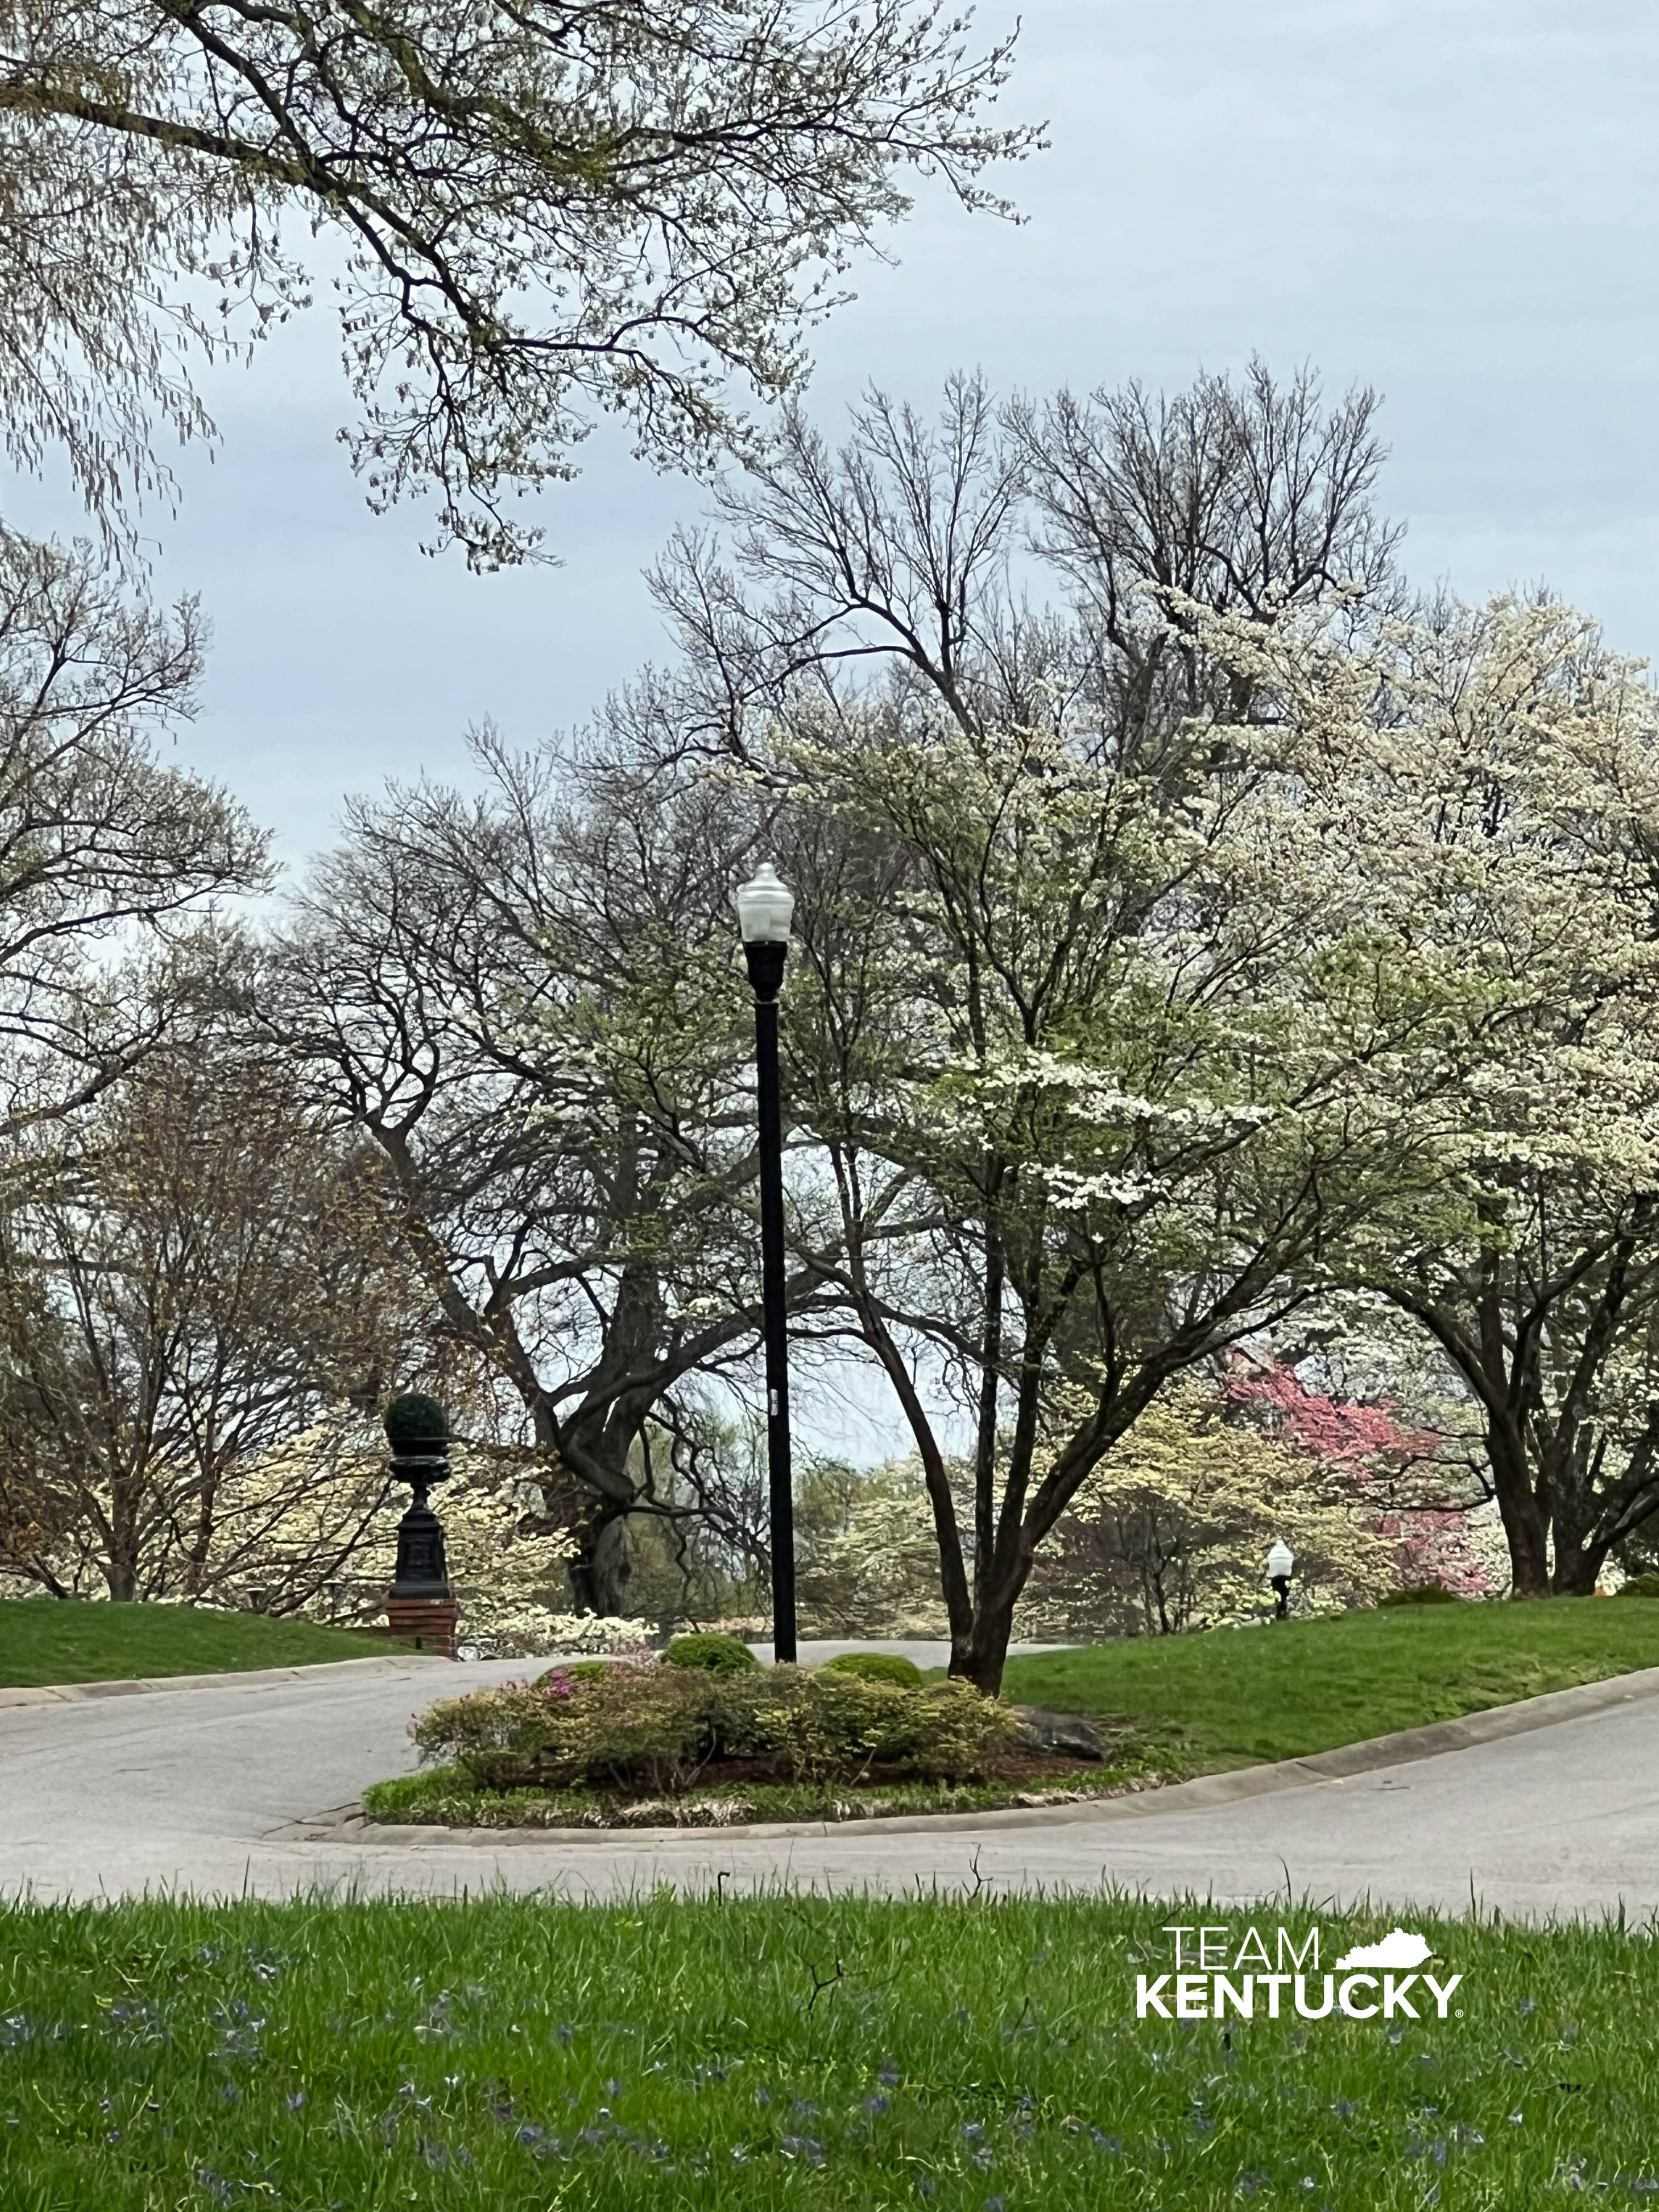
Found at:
(199, 1791)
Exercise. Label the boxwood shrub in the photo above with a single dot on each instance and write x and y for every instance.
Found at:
(1421, 1594)
(875, 1667)
(713, 1655)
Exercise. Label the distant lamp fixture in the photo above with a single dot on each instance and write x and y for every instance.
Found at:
(1281, 1565)
(765, 905)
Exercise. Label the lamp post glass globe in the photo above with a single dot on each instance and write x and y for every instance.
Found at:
(764, 904)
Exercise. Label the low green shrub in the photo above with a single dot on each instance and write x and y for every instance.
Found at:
(875, 1667)
(654, 1728)
(712, 1655)
(1421, 1594)
(819, 1726)
(1639, 1586)
(644, 1728)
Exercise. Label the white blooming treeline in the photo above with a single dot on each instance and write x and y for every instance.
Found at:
(1504, 775)
(1103, 1071)
(1171, 959)
(307, 1527)
(1114, 1060)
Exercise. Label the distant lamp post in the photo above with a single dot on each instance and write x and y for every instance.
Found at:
(1281, 1565)
(764, 907)
(420, 1604)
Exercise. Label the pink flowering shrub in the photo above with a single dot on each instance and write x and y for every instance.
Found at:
(1364, 1447)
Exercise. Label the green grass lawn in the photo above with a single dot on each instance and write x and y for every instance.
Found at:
(788, 2054)
(44, 1640)
(1235, 1696)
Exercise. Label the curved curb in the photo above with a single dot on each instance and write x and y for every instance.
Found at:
(346, 1824)
(76, 1693)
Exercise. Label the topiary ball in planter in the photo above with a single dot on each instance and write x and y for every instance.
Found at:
(875, 1667)
(416, 1425)
(1422, 1594)
(710, 1654)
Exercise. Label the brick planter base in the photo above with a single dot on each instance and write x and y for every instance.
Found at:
(428, 1622)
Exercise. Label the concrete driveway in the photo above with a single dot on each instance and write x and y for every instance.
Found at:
(215, 1790)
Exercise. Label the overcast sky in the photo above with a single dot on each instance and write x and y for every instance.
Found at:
(1454, 200)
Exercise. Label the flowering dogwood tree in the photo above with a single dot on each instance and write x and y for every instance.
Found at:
(1503, 773)
(533, 214)
(1103, 1071)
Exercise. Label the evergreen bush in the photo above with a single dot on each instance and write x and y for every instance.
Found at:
(875, 1667)
(712, 1655)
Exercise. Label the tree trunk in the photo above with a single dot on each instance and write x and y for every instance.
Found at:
(987, 1644)
(600, 1572)
(1524, 1512)
(988, 1650)
(1577, 1569)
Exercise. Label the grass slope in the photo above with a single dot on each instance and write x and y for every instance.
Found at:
(44, 1640)
(1234, 1696)
(788, 2054)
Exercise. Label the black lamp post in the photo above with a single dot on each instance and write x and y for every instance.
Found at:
(420, 1604)
(1281, 1565)
(764, 906)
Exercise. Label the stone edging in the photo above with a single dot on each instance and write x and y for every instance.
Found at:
(346, 1824)
(75, 1693)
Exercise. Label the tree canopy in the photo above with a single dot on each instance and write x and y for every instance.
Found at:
(527, 215)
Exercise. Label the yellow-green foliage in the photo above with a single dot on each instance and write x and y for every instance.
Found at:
(631, 1726)
(1172, 1529)
(869, 1556)
(812, 1727)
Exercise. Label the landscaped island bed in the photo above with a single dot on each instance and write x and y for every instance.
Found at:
(705, 1737)
(1165, 1709)
(446, 1796)
(48, 1640)
(789, 2054)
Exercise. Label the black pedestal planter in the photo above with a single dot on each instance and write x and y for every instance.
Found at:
(420, 1604)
